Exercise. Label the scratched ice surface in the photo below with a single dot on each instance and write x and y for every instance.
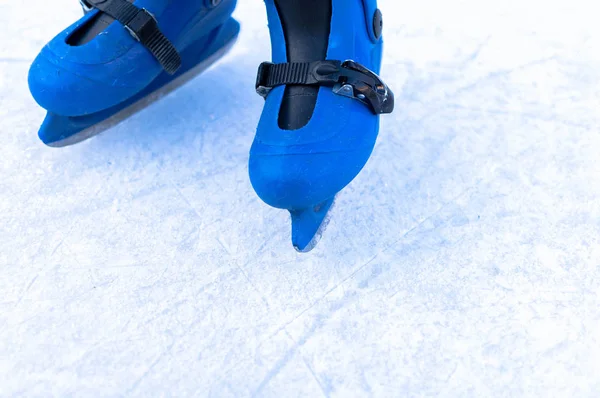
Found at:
(463, 261)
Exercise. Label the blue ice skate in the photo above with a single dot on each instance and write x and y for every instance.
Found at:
(323, 99)
(121, 56)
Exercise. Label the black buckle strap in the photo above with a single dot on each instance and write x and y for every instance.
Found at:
(142, 25)
(347, 78)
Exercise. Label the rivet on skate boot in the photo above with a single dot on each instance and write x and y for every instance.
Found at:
(378, 24)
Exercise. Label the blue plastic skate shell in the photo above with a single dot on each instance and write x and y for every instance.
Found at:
(90, 87)
(299, 169)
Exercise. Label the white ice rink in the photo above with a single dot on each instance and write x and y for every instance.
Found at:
(464, 261)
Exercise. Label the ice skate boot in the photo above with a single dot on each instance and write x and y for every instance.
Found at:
(121, 56)
(323, 100)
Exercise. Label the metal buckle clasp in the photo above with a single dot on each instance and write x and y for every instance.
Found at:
(362, 84)
(86, 6)
(140, 22)
(261, 87)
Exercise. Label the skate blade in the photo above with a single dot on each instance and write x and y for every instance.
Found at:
(139, 105)
(309, 225)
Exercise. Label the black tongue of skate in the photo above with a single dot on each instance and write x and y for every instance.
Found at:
(306, 28)
(141, 24)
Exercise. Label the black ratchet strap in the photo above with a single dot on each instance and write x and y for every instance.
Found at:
(347, 78)
(142, 25)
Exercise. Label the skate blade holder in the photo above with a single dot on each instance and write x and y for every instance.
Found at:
(348, 78)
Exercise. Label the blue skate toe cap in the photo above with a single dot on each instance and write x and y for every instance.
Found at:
(299, 181)
(296, 169)
(65, 93)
